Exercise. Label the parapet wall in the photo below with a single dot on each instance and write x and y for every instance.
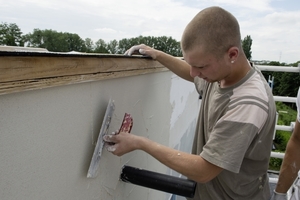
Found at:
(49, 125)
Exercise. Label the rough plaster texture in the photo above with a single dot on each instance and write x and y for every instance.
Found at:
(47, 137)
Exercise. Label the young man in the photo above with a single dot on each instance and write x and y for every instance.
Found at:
(291, 164)
(236, 122)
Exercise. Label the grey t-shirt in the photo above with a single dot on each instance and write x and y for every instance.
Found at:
(234, 131)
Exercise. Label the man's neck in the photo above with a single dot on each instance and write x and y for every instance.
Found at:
(239, 71)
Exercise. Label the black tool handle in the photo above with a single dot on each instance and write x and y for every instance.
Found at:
(162, 182)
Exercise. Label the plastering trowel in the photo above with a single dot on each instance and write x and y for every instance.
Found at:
(92, 172)
(125, 127)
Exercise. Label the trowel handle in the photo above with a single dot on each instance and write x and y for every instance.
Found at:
(162, 182)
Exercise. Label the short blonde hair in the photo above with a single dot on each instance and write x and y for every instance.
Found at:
(214, 29)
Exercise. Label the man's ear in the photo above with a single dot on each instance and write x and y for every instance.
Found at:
(233, 53)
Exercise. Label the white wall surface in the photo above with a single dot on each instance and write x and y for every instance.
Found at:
(47, 137)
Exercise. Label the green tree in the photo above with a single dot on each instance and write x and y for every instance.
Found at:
(74, 42)
(11, 35)
(34, 39)
(112, 47)
(55, 41)
(285, 83)
(101, 47)
(168, 45)
(246, 44)
(89, 44)
(289, 84)
(49, 39)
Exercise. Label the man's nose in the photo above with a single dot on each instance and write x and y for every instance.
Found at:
(194, 71)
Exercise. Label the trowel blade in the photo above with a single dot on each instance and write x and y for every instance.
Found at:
(92, 172)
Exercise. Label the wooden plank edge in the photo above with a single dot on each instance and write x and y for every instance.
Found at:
(21, 68)
(42, 83)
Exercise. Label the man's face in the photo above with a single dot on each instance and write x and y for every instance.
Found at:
(205, 65)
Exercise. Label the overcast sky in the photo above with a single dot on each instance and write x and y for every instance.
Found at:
(274, 25)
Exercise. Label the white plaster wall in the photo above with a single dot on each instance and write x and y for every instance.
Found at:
(47, 137)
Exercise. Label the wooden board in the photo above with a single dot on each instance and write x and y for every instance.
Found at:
(21, 71)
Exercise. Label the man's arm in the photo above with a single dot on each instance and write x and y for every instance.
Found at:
(291, 162)
(192, 166)
(176, 65)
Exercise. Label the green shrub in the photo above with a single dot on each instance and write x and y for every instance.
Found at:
(275, 164)
(281, 140)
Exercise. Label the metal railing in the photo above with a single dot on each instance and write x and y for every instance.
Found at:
(281, 99)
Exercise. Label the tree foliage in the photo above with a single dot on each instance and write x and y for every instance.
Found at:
(89, 44)
(11, 35)
(64, 42)
(246, 44)
(55, 41)
(285, 83)
(101, 47)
